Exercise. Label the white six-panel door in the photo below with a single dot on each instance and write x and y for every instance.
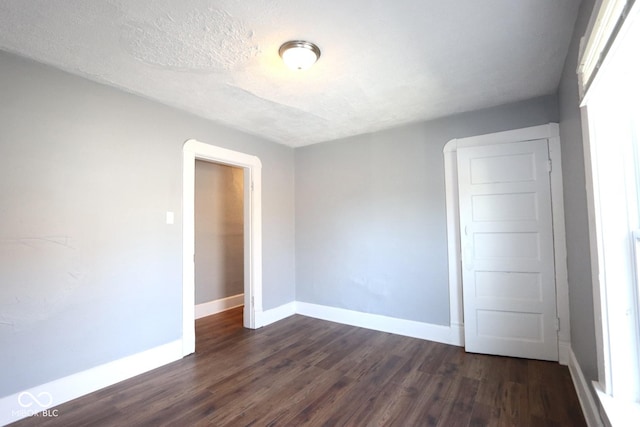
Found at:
(506, 229)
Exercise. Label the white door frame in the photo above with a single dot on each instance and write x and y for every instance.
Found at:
(551, 133)
(252, 167)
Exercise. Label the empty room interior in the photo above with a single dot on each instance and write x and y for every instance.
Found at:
(355, 212)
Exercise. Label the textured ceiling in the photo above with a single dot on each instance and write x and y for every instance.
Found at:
(384, 63)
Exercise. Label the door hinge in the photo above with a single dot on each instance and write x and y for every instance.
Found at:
(253, 301)
(549, 165)
(251, 185)
(557, 324)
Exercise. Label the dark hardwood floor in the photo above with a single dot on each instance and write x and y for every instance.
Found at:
(304, 371)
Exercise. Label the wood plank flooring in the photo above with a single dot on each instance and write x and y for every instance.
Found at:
(304, 371)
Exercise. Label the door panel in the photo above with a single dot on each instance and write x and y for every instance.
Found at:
(509, 325)
(504, 207)
(508, 285)
(507, 250)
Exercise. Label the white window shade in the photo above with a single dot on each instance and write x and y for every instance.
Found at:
(605, 22)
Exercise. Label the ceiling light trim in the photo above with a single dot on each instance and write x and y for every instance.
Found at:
(296, 54)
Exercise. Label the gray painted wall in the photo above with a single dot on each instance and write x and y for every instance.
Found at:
(578, 258)
(89, 270)
(219, 231)
(371, 218)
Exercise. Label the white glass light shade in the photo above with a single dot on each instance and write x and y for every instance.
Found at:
(299, 55)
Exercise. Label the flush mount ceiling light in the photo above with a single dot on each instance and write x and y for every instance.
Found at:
(299, 54)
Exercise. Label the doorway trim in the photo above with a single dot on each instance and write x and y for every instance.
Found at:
(552, 134)
(195, 150)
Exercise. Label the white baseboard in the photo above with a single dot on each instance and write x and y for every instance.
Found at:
(587, 402)
(273, 315)
(564, 353)
(46, 396)
(409, 328)
(457, 334)
(218, 306)
(54, 393)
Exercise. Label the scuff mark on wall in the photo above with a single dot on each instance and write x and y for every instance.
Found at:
(63, 241)
(42, 273)
(6, 324)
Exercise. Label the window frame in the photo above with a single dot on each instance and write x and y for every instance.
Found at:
(612, 24)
